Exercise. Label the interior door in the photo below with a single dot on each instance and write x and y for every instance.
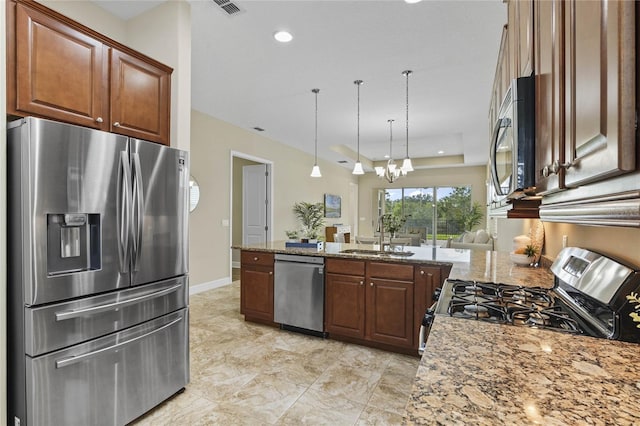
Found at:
(255, 204)
(160, 196)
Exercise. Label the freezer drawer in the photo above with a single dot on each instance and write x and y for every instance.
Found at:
(111, 380)
(57, 326)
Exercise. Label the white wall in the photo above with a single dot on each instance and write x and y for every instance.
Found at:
(211, 146)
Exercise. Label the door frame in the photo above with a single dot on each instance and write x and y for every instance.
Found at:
(270, 166)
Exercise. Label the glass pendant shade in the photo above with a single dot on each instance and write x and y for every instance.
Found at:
(357, 169)
(407, 166)
(379, 171)
(315, 172)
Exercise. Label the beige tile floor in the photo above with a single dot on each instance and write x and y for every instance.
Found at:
(245, 373)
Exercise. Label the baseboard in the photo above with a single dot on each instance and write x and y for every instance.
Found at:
(199, 288)
(235, 264)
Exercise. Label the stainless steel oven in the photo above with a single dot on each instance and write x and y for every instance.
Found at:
(593, 295)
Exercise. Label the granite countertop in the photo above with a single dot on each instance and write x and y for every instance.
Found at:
(477, 265)
(479, 373)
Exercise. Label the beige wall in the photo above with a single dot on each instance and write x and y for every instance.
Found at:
(211, 145)
(453, 176)
(621, 243)
(92, 16)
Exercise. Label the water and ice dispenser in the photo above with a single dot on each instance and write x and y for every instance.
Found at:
(73, 243)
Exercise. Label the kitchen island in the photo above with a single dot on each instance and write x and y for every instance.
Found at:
(480, 373)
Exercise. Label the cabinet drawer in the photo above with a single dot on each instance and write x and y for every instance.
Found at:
(392, 271)
(256, 258)
(345, 267)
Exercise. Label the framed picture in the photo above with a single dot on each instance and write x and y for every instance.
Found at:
(332, 206)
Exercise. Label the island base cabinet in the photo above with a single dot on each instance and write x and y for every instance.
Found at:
(344, 305)
(256, 287)
(390, 312)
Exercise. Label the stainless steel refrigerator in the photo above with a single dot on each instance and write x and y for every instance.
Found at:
(97, 282)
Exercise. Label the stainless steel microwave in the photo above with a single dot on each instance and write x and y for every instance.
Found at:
(513, 146)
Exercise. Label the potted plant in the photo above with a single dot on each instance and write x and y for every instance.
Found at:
(393, 223)
(311, 215)
(292, 236)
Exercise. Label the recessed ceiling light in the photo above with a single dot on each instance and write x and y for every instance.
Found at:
(412, 1)
(283, 36)
(386, 156)
(441, 152)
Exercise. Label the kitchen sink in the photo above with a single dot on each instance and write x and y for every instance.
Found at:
(366, 252)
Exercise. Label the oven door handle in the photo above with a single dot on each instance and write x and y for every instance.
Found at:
(78, 358)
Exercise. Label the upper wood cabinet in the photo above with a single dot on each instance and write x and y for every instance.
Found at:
(61, 73)
(600, 90)
(59, 69)
(139, 98)
(520, 15)
(549, 88)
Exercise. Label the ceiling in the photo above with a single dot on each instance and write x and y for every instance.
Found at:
(241, 75)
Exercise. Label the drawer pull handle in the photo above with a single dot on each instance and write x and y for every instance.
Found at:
(255, 259)
(371, 284)
(270, 272)
(361, 282)
(99, 120)
(116, 124)
(421, 272)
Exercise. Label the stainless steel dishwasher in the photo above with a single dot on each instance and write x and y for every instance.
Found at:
(299, 292)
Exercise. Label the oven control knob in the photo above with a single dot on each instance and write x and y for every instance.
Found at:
(429, 315)
(436, 294)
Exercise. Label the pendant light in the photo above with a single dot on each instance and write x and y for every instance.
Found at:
(315, 172)
(357, 168)
(391, 172)
(407, 166)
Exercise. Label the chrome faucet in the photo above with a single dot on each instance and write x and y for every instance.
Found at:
(381, 225)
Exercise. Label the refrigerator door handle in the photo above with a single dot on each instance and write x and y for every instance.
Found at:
(124, 211)
(61, 363)
(138, 200)
(74, 313)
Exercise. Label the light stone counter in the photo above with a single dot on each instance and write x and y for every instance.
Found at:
(479, 373)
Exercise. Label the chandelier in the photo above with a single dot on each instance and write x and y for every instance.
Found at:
(392, 172)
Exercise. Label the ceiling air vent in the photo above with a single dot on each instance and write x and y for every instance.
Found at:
(343, 161)
(229, 7)
(259, 129)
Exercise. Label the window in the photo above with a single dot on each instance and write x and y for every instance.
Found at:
(449, 208)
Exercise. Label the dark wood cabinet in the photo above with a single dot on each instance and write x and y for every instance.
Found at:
(586, 145)
(390, 311)
(520, 24)
(344, 297)
(600, 90)
(60, 72)
(140, 94)
(370, 301)
(427, 280)
(344, 305)
(59, 69)
(256, 286)
(549, 87)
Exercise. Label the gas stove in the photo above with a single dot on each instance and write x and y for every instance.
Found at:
(589, 297)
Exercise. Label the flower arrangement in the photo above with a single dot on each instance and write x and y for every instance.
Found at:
(635, 315)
